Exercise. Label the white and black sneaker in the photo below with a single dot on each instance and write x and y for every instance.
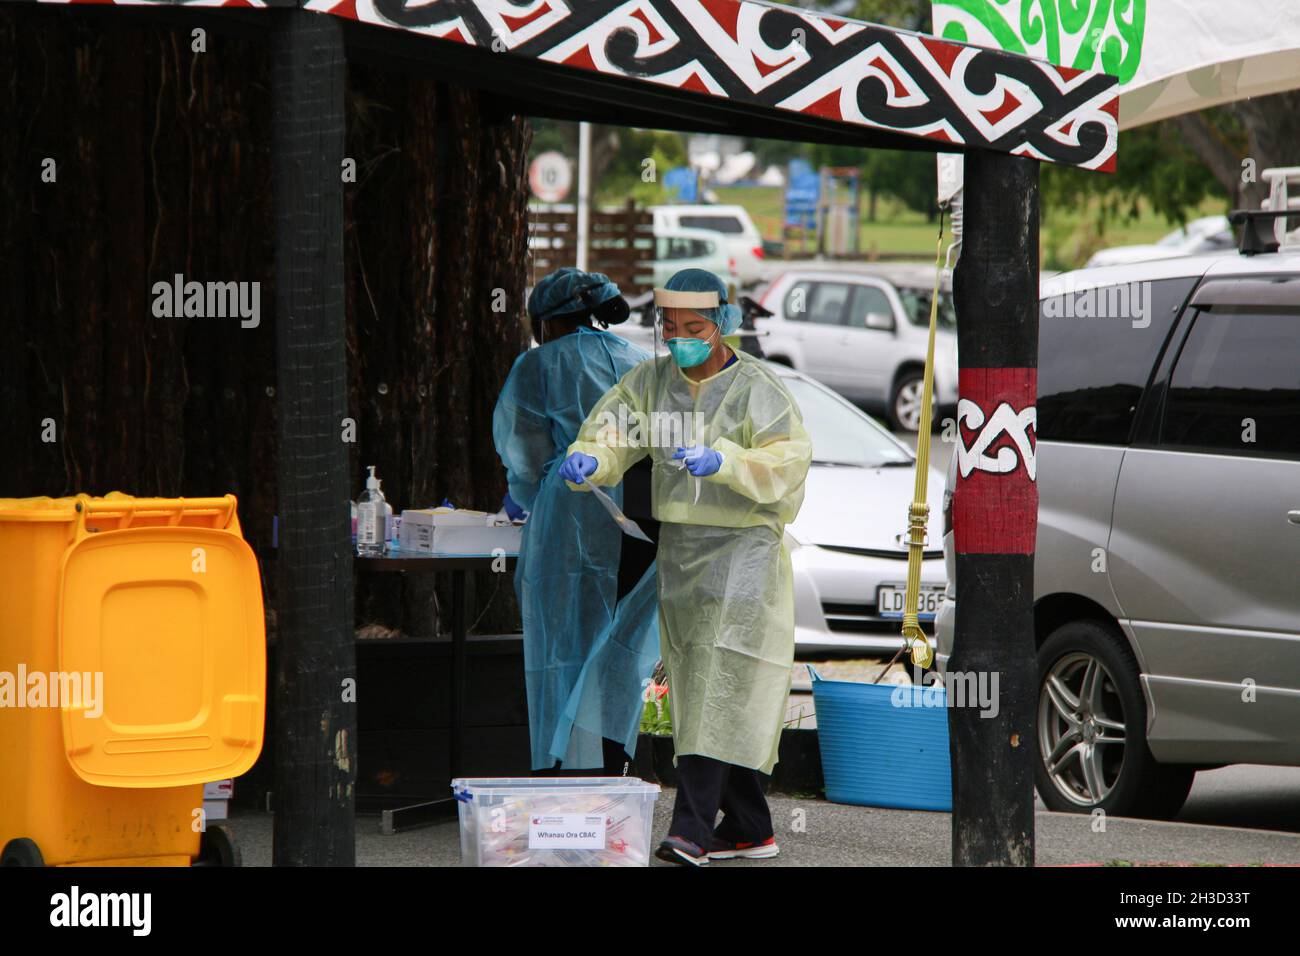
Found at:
(726, 850)
(683, 852)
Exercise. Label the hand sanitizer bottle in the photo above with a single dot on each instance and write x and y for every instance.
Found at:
(370, 519)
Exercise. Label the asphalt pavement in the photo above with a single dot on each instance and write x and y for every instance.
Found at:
(814, 832)
(1264, 798)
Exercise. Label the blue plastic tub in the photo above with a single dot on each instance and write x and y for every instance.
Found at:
(883, 746)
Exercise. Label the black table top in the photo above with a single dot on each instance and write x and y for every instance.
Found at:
(432, 563)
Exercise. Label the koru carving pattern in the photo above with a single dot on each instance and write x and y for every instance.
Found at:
(1005, 420)
(995, 502)
(782, 58)
(793, 59)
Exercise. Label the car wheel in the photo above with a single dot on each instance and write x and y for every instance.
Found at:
(21, 852)
(1092, 745)
(905, 402)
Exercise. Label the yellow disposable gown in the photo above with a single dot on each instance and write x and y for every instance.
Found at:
(726, 605)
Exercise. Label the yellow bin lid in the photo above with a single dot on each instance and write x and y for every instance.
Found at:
(164, 625)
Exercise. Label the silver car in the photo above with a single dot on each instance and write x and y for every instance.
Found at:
(1167, 573)
(846, 550)
(864, 333)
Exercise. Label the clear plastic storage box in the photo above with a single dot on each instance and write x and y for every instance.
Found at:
(555, 821)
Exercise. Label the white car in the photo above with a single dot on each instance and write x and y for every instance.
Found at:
(1208, 234)
(677, 249)
(865, 336)
(744, 243)
(846, 550)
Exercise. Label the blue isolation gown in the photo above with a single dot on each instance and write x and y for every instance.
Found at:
(586, 654)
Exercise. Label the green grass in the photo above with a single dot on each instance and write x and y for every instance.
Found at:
(1067, 238)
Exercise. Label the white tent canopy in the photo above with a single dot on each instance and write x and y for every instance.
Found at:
(1171, 56)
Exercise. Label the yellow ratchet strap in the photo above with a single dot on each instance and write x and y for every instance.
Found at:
(918, 514)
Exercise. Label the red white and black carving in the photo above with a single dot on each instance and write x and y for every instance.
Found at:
(995, 502)
(1005, 420)
(795, 60)
(784, 58)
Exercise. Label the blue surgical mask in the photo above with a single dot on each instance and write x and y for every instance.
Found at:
(689, 352)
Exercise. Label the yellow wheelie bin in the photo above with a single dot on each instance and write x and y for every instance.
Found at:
(132, 671)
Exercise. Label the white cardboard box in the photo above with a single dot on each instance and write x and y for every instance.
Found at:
(216, 799)
(483, 539)
(459, 531)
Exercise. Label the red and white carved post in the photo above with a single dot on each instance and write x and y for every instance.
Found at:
(995, 511)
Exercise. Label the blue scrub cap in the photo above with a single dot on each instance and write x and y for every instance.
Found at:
(726, 316)
(562, 293)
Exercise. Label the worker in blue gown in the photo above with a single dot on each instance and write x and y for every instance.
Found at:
(586, 591)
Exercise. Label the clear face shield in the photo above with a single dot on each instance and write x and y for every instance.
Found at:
(681, 328)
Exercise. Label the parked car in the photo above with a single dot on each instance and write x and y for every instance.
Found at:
(846, 550)
(1208, 234)
(865, 336)
(678, 248)
(742, 239)
(1167, 604)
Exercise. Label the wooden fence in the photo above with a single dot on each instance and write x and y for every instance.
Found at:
(622, 244)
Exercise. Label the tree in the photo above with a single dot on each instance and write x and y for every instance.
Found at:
(776, 152)
(618, 158)
(904, 14)
(1156, 169)
(1264, 131)
(1176, 164)
(627, 174)
(1173, 165)
(553, 136)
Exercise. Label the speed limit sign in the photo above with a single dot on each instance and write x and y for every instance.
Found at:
(550, 176)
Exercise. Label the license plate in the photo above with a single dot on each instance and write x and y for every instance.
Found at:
(889, 601)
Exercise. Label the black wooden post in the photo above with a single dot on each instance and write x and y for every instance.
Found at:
(995, 512)
(315, 745)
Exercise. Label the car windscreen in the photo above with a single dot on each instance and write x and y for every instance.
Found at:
(679, 247)
(728, 225)
(840, 434)
(916, 302)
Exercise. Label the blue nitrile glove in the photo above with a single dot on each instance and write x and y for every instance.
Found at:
(701, 460)
(511, 508)
(577, 467)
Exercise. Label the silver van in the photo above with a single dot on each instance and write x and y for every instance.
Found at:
(1167, 573)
